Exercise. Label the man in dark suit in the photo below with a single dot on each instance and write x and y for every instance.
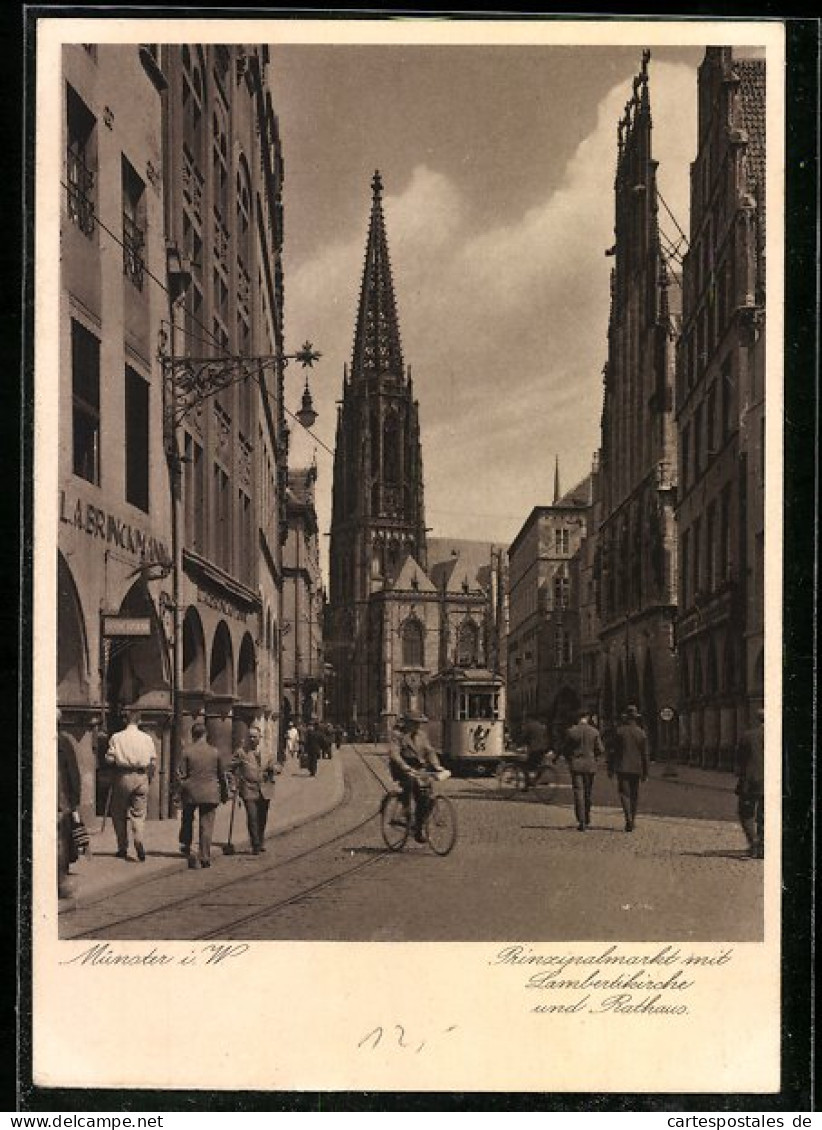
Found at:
(314, 746)
(629, 760)
(255, 774)
(581, 748)
(751, 786)
(201, 773)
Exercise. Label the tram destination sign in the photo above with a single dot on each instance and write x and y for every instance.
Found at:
(126, 626)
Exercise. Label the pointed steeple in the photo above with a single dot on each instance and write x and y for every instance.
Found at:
(557, 493)
(377, 348)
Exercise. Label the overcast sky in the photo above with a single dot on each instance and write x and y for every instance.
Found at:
(498, 165)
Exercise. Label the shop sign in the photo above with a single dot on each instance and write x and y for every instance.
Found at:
(98, 523)
(126, 626)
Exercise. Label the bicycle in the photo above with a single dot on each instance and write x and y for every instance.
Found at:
(512, 774)
(439, 825)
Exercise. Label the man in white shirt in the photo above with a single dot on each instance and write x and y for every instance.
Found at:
(132, 755)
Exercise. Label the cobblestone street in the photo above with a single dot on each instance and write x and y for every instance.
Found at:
(520, 870)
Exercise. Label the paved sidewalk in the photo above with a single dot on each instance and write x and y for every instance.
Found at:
(299, 798)
(693, 775)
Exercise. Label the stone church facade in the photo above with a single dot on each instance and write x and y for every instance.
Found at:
(397, 612)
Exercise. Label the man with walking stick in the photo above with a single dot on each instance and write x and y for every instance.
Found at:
(255, 778)
(202, 787)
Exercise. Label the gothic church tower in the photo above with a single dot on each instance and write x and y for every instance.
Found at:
(377, 515)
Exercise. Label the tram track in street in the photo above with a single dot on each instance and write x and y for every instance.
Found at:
(205, 899)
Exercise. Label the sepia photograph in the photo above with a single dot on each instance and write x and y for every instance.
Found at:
(404, 499)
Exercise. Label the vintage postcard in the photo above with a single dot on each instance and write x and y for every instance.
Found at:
(406, 629)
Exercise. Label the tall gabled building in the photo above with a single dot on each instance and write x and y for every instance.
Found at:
(377, 518)
(637, 535)
(720, 406)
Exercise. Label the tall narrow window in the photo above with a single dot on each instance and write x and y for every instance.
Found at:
(696, 586)
(698, 425)
(685, 456)
(246, 562)
(468, 645)
(726, 401)
(710, 548)
(136, 433)
(710, 422)
(412, 649)
(194, 495)
(562, 590)
(81, 160)
(85, 389)
(725, 535)
(222, 518)
(134, 225)
(684, 573)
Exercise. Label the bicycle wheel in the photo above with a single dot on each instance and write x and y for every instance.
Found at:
(508, 777)
(545, 784)
(441, 826)
(393, 822)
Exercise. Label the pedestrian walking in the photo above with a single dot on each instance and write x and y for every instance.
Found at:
(203, 786)
(255, 779)
(750, 788)
(292, 741)
(314, 747)
(68, 802)
(628, 758)
(581, 747)
(133, 758)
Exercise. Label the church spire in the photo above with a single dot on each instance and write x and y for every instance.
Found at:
(377, 348)
(557, 494)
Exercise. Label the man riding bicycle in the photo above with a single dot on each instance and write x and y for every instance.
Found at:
(410, 756)
(534, 736)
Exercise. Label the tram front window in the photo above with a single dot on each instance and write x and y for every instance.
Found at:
(480, 707)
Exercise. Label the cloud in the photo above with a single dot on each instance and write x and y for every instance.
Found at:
(505, 327)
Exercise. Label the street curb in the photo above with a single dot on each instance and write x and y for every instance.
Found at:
(67, 906)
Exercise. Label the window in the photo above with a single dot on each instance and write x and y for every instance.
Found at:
(561, 541)
(246, 562)
(81, 160)
(134, 225)
(222, 518)
(726, 401)
(684, 575)
(136, 433)
(685, 454)
(725, 535)
(220, 171)
(698, 425)
(85, 389)
(563, 649)
(193, 109)
(710, 548)
(468, 645)
(194, 495)
(697, 552)
(710, 422)
(412, 649)
(562, 591)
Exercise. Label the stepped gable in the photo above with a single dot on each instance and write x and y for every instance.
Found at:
(377, 346)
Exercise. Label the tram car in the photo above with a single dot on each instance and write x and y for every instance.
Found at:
(466, 712)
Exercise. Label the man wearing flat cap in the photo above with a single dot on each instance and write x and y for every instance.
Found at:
(410, 754)
(629, 760)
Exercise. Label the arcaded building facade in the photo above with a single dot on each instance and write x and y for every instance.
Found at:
(720, 405)
(172, 442)
(638, 466)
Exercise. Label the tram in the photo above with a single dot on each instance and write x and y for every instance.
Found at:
(466, 712)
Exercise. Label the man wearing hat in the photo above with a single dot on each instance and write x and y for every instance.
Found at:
(751, 786)
(629, 760)
(581, 748)
(410, 754)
